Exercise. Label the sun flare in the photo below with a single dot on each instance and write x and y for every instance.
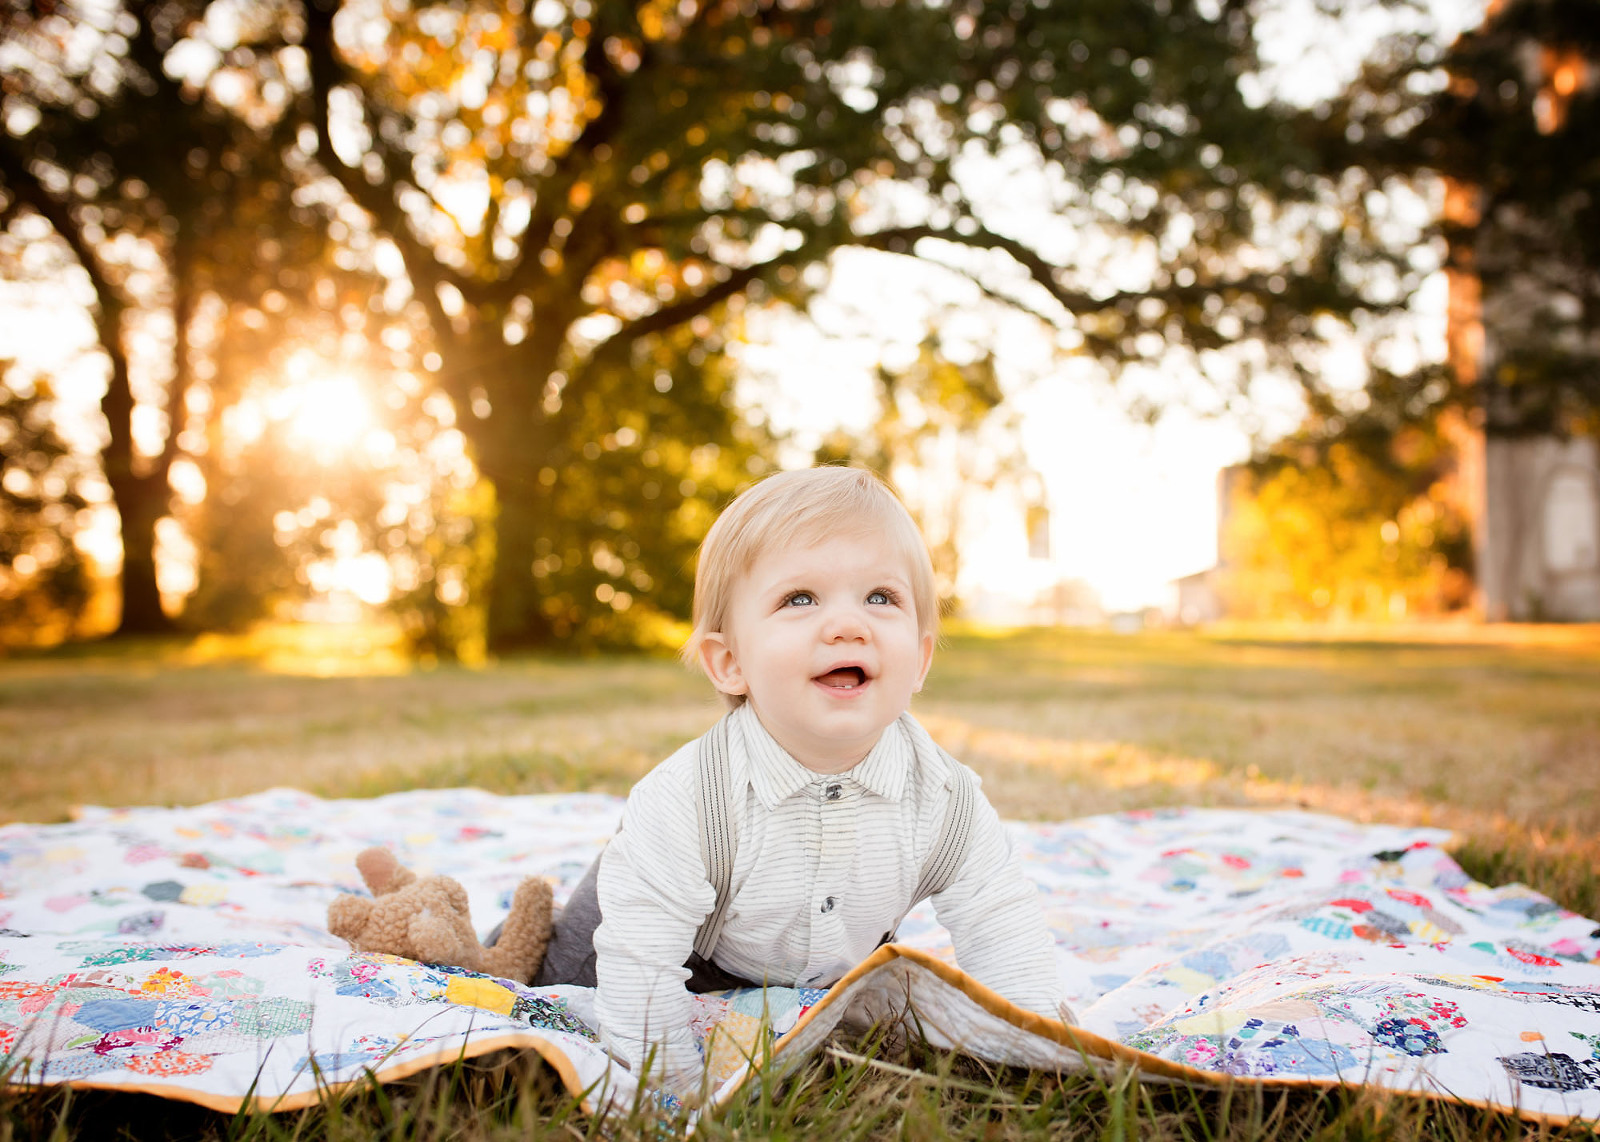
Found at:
(328, 413)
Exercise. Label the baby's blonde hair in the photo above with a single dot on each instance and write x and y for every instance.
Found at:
(803, 506)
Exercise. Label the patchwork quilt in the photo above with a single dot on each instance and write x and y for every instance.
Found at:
(183, 952)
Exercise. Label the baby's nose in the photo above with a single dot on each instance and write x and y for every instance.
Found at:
(845, 624)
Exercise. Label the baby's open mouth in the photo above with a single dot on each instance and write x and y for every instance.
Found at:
(844, 678)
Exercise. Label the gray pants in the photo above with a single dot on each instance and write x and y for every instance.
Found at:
(569, 957)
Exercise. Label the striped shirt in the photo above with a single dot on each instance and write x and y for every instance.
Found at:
(826, 865)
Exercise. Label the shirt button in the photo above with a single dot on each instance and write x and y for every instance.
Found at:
(827, 905)
(834, 791)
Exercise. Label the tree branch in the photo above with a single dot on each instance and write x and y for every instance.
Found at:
(185, 300)
(379, 201)
(117, 404)
(677, 313)
(902, 239)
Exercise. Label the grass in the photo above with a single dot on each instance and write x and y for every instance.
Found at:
(847, 1094)
(1494, 733)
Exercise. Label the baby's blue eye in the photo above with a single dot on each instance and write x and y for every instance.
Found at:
(881, 598)
(799, 599)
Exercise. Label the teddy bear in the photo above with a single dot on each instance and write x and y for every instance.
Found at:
(427, 918)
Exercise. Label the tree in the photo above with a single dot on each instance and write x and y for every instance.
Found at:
(1516, 133)
(171, 134)
(568, 184)
(1506, 123)
(43, 581)
(566, 181)
(1369, 504)
(159, 166)
(1362, 522)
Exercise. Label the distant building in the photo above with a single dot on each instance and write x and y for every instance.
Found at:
(1533, 500)
(1199, 596)
(1068, 603)
(1037, 522)
(1537, 542)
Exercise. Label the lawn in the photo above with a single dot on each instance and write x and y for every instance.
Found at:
(1495, 734)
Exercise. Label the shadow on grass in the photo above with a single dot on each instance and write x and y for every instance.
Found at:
(504, 1095)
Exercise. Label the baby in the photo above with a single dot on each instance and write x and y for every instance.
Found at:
(823, 808)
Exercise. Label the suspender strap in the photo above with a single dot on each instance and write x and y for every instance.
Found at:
(717, 838)
(944, 861)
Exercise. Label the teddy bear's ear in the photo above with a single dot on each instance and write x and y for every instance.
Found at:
(382, 872)
(347, 915)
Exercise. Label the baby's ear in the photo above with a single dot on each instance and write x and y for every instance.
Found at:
(927, 659)
(721, 665)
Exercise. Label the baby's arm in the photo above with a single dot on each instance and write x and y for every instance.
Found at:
(653, 895)
(996, 924)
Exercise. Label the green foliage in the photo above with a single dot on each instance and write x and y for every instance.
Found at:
(250, 567)
(44, 582)
(1520, 126)
(1356, 527)
(322, 447)
(443, 557)
(1509, 117)
(635, 487)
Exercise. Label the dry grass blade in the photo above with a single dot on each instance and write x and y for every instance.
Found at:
(883, 1066)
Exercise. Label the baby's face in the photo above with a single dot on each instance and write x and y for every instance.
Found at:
(823, 639)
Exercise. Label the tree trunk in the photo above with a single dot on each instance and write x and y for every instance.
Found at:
(511, 447)
(143, 497)
(140, 498)
(515, 618)
(140, 501)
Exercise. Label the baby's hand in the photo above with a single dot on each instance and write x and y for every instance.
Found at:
(691, 1086)
(687, 1082)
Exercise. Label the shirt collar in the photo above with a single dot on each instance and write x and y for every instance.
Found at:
(776, 775)
(885, 768)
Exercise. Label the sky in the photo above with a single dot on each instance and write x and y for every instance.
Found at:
(1132, 506)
